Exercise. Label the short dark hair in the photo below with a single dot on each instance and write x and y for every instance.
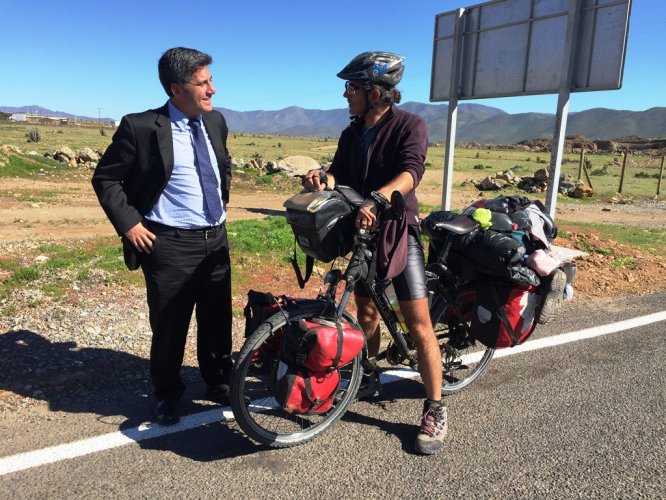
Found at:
(177, 65)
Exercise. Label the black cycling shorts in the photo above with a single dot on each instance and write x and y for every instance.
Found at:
(411, 283)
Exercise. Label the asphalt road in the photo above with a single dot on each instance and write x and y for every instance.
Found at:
(582, 419)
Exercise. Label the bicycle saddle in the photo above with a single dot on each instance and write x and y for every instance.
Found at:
(460, 224)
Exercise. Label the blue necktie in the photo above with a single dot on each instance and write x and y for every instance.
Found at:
(208, 179)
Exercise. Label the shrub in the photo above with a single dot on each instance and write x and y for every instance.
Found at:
(34, 135)
(264, 180)
(645, 175)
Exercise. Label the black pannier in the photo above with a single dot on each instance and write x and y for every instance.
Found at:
(322, 222)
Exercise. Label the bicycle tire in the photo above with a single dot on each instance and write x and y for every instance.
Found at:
(255, 409)
(463, 358)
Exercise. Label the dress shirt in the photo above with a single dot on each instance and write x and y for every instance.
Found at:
(182, 204)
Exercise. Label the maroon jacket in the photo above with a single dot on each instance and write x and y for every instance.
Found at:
(400, 146)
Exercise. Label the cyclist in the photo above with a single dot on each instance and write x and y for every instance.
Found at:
(383, 150)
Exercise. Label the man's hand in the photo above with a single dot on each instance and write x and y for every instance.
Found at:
(367, 215)
(315, 180)
(141, 238)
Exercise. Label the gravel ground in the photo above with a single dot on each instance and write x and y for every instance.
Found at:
(92, 348)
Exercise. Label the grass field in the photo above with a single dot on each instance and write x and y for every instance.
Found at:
(640, 177)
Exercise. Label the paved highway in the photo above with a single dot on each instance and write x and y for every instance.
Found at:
(579, 419)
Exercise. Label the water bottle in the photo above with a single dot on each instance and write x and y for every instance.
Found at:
(395, 306)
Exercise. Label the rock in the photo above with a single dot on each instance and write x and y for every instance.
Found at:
(297, 165)
(490, 184)
(87, 154)
(271, 167)
(566, 187)
(582, 191)
(10, 149)
(609, 146)
(508, 177)
(67, 152)
(541, 175)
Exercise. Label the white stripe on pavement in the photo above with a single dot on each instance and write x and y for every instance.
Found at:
(36, 458)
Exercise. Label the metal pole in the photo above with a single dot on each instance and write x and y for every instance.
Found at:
(562, 113)
(451, 124)
(661, 174)
(624, 164)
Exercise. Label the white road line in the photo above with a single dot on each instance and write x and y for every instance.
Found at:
(36, 458)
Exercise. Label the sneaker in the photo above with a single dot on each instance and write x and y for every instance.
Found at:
(370, 388)
(434, 426)
(553, 296)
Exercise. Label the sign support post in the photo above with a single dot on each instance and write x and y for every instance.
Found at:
(452, 121)
(562, 112)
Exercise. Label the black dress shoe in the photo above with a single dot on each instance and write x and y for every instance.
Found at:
(166, 412)
(218, 394)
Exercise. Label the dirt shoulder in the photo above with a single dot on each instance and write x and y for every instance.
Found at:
(48, 210)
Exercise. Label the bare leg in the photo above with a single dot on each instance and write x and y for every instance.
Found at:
(417, 318)
(368, 317)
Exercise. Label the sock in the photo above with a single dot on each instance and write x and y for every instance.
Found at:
(431, 404)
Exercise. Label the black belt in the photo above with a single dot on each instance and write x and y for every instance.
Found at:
(200, 233)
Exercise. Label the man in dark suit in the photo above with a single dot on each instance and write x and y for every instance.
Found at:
(164, 184)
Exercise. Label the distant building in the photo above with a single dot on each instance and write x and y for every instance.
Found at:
(42, 119)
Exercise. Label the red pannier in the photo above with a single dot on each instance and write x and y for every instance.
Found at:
(298, 390)
(321, 345)
(504, 313)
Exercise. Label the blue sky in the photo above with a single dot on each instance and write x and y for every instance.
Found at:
(81, 55)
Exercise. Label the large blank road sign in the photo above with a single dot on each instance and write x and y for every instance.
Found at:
(518, 47)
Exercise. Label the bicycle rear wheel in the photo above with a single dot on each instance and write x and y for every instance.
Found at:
(257, 412)
(463, 358)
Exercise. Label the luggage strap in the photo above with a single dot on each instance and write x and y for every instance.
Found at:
(316, 402)
(338, 354)
(505, 319)
(309, 265)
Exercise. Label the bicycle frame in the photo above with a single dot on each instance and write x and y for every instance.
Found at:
(356, 272)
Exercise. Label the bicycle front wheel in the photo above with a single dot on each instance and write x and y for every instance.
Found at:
(463, 358)
(257, 412)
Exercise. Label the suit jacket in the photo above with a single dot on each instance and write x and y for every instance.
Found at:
(137, 165)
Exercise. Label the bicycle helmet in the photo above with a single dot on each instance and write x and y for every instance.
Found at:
(375, 68)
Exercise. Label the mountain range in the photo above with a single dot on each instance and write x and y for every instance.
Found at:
(476, 122)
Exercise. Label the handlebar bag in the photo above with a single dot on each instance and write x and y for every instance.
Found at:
(504, 313)
(298, 390)
(321, 345)
(322, 222)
